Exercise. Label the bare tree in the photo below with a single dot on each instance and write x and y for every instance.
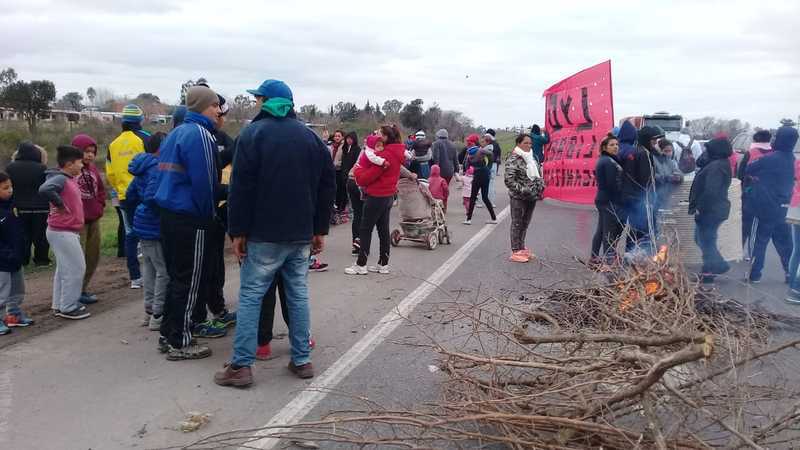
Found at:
(91, 95)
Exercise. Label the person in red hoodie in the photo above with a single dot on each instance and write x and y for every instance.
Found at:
(438, 186)
(93, 196)
(379, 184)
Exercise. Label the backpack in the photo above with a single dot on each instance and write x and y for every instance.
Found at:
(686, 163)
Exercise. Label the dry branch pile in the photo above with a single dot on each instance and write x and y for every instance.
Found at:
(635, 359)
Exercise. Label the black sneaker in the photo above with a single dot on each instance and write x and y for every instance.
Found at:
(191, 351)
(163, 345)
(88, 299)
(77, 314)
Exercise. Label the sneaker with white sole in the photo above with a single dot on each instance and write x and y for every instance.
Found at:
(191, 351)
(355, 269)
(492, 221)
(155, 323)
(467, 222)
(77, 314)
(379, 269)
(136, 284)
(146, 320)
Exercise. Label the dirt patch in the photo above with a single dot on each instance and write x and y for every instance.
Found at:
(110, 283)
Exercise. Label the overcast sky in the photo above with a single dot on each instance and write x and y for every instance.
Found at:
(490, 59)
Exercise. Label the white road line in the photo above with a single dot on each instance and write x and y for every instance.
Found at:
(305, 401)
(6, 389)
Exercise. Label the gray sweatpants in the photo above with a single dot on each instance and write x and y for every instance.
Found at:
(12, 291)
(155, 277)
(70, 267)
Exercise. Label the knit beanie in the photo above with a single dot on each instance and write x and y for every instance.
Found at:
(132, 114)
(762, 136)
(372, 140)
(83, 142)
(198, 98)
(492, 132)
(442, 134)
(420, 135)
(473, 139)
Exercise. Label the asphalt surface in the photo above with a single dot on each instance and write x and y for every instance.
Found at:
(101, 384)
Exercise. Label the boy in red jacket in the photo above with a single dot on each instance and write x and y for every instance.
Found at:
(93, 196)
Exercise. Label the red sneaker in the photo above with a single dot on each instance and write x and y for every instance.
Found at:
(264, 352)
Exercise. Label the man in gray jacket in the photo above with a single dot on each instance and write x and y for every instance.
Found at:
(445, 155)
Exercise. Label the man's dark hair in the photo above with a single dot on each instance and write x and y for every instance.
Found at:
(66, 154)
(4, 177)
(521, 137)
(154, 142)
(492, 132)
(392, 134)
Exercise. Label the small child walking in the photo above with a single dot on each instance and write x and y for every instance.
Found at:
(64, 224)
(12, 279)
(466, 187)
(146, 226)
(438, 186)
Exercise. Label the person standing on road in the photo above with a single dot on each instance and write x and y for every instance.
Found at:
(421, 149)
(187, 195)
(63, 227)
(120, 153)
(221, 318)
(539, 141)
(525, 186)
(349, 160)
(497, 154)
(93, 194)
(638, 183)
(380, 185)
(759, 148)
(27, 175)
(610, 213)
(668, 177)
(480, 159)
(709, 204)
(772, 182)
(445, 155)
(12, 276)
(146, 225)
(282, 163)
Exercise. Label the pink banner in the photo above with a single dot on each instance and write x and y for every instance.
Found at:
(579, 112)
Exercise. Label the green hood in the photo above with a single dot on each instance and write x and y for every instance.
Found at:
(277, 106)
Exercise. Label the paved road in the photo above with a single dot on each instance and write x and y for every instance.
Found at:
(101, 384)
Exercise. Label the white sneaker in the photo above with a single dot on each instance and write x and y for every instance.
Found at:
(136, 284)
(467, 222)
(478, 205)
(355, 269)
(379, 269)
(155, 324)
(492, 221)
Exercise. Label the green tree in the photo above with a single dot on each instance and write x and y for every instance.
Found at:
(412, 116)
(29, 99)
(432, 117)
(72, 100)
(346, 111)
(7, 76)
(392, 106)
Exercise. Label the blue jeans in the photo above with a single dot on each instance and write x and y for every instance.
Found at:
(131, 243)
(263, 261)
(706, 233)
(639, 214)
(493, 172)
(794, 261)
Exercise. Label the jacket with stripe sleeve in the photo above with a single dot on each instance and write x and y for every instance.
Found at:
(187, 173)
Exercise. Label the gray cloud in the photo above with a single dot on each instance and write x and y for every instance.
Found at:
(733, 59)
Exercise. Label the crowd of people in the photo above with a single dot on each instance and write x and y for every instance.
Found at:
(180, 196)
(638, 172)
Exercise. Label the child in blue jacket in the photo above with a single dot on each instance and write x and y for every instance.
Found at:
(12, 279)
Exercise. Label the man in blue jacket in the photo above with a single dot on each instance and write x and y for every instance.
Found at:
(187, 195)
(284, 168)
(771, 181)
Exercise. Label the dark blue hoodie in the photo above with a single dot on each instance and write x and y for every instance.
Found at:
(11, 238)
(141, 192)
(627, 140)
(771, 177)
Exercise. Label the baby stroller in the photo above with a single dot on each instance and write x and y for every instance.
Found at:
(421, 216)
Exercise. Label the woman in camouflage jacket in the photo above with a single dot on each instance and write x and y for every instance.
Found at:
(525, 186)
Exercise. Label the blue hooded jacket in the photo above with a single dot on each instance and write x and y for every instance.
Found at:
(187, 172)
(146, 222)
(627, 140)
(772, 177)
